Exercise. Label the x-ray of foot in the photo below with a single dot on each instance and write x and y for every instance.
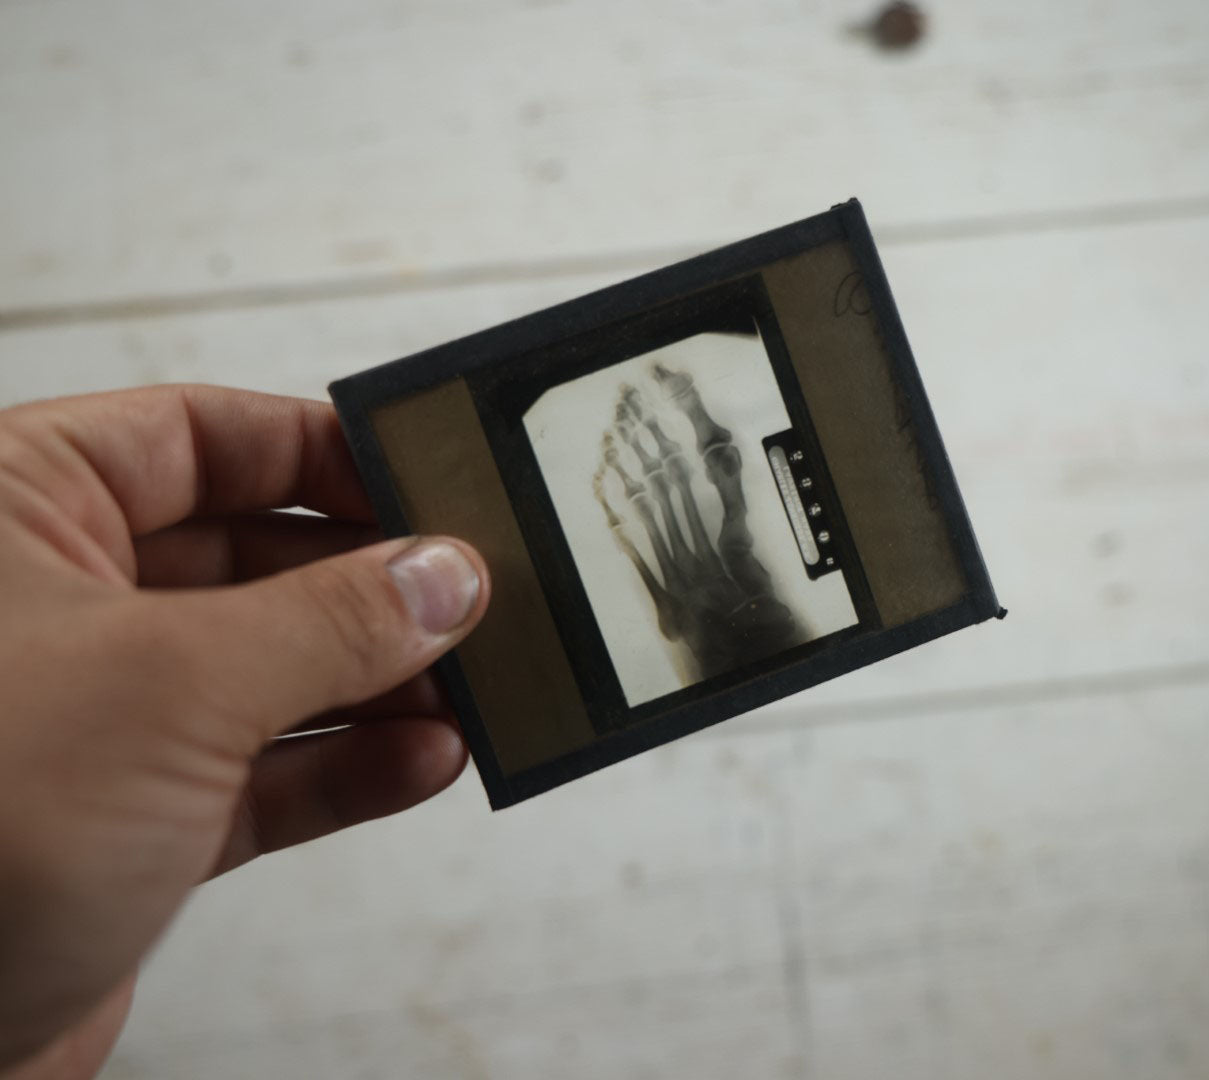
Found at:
(710, 592)
(657, 471)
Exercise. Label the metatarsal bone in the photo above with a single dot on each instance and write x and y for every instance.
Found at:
(663, 495)
(665, 607)
(636, 493)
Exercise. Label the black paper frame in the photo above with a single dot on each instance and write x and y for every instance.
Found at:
(524, 357)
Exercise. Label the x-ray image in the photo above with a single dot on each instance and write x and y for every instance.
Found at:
(658, 474)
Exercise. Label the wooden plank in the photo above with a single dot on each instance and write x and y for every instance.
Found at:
(708, 1027)
(1029, 891)
(163, 149)
(1075, 405)
(1018, 884)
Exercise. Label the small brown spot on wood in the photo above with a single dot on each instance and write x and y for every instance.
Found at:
(39, 263)
(550, 170)
(633, 876)
(899, 25)
(629, 50)
(532, 112)
(988, 843)
(219, 264)
(728, 760)
(1043, 1044)
(358, 252)
(995, 91)
(62, 56)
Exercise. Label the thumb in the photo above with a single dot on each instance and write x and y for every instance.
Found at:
(337, 631)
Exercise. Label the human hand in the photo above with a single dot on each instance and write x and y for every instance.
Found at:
(158, 628)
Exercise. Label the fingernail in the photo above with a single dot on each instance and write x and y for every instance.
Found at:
(439, 584)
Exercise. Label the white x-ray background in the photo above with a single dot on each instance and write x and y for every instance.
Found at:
(566, 427)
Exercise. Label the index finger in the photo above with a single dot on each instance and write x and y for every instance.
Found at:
(167, 453)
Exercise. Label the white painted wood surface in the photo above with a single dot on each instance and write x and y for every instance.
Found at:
(989, 857)
(172, 148)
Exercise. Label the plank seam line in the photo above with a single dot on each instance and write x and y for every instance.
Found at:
(1043, 691)
(503, 273)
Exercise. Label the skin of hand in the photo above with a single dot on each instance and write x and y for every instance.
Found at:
(160, 624)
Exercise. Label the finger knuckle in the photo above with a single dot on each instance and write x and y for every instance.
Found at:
(356, 625)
